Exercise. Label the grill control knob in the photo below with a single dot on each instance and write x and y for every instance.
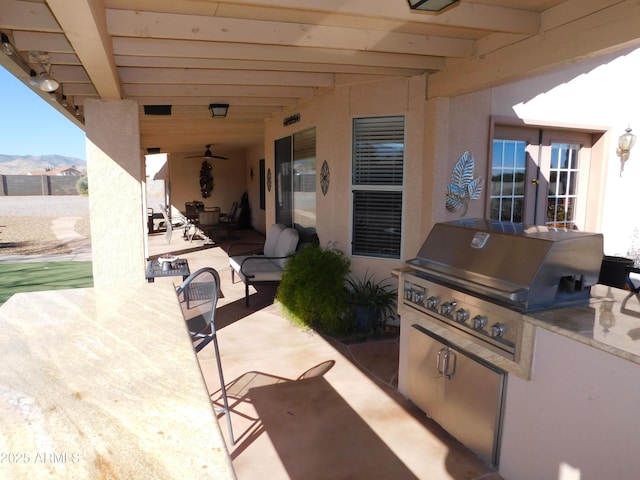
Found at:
(432, 302)
(447, 307)
(497, 330)
(461, 315)
(479, 322)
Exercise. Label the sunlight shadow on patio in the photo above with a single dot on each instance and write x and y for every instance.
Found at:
(318, 435)
(238, 391)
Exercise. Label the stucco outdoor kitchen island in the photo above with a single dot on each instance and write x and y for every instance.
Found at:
(104, 383)
(577, 418)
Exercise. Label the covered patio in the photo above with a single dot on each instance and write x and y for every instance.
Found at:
(305, 406)
(140, 77)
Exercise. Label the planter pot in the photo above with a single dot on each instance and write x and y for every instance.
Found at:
(366, 319)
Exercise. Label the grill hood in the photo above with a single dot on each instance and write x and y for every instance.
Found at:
(524, 268)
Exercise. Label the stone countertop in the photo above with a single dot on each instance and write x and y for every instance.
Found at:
(610, 322)
(104, 383)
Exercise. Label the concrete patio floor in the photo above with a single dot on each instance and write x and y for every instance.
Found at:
(304, 406)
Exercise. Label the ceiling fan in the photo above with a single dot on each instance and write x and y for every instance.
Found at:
(208, 155)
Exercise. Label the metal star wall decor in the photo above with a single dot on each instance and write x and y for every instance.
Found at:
(463, 186)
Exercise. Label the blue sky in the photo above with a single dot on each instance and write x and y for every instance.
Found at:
(30, 126)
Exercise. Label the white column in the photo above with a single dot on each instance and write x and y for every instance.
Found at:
(115, 170)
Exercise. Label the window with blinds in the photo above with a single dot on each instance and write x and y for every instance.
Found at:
(377, 186)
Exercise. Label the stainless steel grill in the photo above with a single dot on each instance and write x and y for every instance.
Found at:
(462, 301)
(521, 268)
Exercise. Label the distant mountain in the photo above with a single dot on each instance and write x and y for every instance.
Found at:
(22, 165)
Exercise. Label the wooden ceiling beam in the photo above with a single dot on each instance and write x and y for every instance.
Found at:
(239, 64)
(128, 23)
(145, 47)
(85, 27)
(133, 75)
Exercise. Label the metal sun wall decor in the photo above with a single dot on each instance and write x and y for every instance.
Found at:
(206, 180)
(324, 178)
(463, 186)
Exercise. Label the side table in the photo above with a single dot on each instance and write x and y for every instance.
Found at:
(179, 267)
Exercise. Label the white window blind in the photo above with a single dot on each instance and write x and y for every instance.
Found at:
(377, 184)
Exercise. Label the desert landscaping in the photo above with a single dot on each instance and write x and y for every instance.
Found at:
(26, 223)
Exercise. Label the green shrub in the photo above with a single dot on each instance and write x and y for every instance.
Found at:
(83, 186)
(313, 290)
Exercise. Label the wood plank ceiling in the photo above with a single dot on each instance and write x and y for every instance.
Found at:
(264, 57)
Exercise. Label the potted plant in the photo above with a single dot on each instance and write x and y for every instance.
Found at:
(373, 302)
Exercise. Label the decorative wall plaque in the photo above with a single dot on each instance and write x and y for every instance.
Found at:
(324, 177)
(269, 179)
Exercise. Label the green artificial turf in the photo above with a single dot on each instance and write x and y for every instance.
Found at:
(38, 276)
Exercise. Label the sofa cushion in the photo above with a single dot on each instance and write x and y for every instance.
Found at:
(271, 241)
(256, 268)
(287, 243)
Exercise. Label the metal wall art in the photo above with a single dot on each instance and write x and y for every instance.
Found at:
(463, 186)
(206, 180)
(269, 179)
(291, 120)
(324, 178)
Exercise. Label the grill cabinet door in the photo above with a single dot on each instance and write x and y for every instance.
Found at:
(462, 393)
(425, 384)
(473, 400)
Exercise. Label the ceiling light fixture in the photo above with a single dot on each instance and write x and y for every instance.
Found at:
(431, 5)
(6, 44)
(43, 80)
(219, 110)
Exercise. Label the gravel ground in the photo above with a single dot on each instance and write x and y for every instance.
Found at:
(25, 223)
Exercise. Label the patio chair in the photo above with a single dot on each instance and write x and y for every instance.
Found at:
(232, 216)
(177, 222)
(198, 296)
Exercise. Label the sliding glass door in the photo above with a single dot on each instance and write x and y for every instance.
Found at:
(295, 180)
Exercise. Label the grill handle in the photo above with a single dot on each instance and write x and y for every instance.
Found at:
(439, 357)
(511, 292)
(450, 361)
(446, 361)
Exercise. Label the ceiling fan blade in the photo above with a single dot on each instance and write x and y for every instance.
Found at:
(208, 155)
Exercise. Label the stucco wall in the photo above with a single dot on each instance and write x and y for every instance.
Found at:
(596, 95)
(331, 114)
(230, 180)
(115, 170)
(600, 93)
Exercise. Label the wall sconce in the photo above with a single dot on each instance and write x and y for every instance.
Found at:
(431, 5)
(219, 110)
(625, 144)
